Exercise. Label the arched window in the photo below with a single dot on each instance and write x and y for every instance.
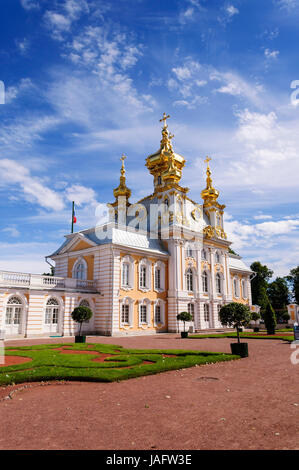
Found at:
(80, 270)
(52, 311)
(159, 180)
(236, 287)
(205, 282)
(166, 204)
(218, 283)
(84, 303)
(189, 280)
(217, 257)
(13, 311)
(190, 308)
(204, 254)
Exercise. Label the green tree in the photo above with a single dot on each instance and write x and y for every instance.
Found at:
(279, 295)
(293, 279)
(235, 315)
(270, 319)
(259, 285)
(80, 315)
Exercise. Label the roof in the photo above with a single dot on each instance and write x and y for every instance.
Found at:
(117, 236)
(235, 262)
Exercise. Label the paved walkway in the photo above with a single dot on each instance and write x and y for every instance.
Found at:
(251, 403)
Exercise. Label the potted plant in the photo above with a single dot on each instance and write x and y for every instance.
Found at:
(184, 316)
(255, 316)
(80, 315)
(270, 319)
(236, 315)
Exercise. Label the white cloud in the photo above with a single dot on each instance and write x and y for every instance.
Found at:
(30, 4)
(81, 195)
(235, 85)
(262, 217)
(231, 10)
(57, 24)
(12, 92)
(23, 45)
(12, 231)
(26, 257)
(271, 54)
(14, 174)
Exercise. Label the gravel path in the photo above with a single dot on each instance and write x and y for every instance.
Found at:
(251, 403)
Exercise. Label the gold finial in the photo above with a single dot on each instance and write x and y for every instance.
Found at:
(123, 170)
(122, 189)
(207, 160)
(164, 119)
(210, 194)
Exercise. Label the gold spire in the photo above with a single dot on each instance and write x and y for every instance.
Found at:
(122, 189)
(165, 163)
(209, 194)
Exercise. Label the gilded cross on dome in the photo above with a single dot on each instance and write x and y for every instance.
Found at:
(207, 160)
(164, 119)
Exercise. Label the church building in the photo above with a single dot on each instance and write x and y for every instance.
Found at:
(148, 262)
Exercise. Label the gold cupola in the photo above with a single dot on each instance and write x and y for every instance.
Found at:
(122, 189)
(209, 194)
(165, 165)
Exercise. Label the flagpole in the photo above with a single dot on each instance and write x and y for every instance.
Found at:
(73, 211)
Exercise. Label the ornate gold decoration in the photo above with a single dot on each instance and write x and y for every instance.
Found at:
(209, 194)
(165, 163)
(212, 232)
(122, 189)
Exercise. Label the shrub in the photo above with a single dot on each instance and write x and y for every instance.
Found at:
(235, 315)
(270, 319)
(184, 316)
(80, 315)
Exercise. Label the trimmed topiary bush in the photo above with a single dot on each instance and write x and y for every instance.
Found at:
(80, 315)
(270, 319)
(184, 317)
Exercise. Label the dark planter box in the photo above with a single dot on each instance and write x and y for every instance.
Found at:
(239, 349)
(271, 331)
(184, 334)
(256, 330)
(80, 339)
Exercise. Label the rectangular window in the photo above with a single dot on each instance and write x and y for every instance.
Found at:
(158, 318)
(48, 316)
(8, 319)
(17, 317)
(206, 313)
(143, 315)
(158, 279)
(142, 280)
(125, 275)
(191, 310)
(125, 314)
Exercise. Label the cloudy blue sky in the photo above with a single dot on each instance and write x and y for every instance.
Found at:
(87, 80)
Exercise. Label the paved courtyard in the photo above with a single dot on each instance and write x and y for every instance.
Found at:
(251, 403)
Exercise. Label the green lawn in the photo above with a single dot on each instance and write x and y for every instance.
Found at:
(50, 364)
(249, 335)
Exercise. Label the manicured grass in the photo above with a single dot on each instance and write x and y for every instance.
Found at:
(249, 335)
(50, 364)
